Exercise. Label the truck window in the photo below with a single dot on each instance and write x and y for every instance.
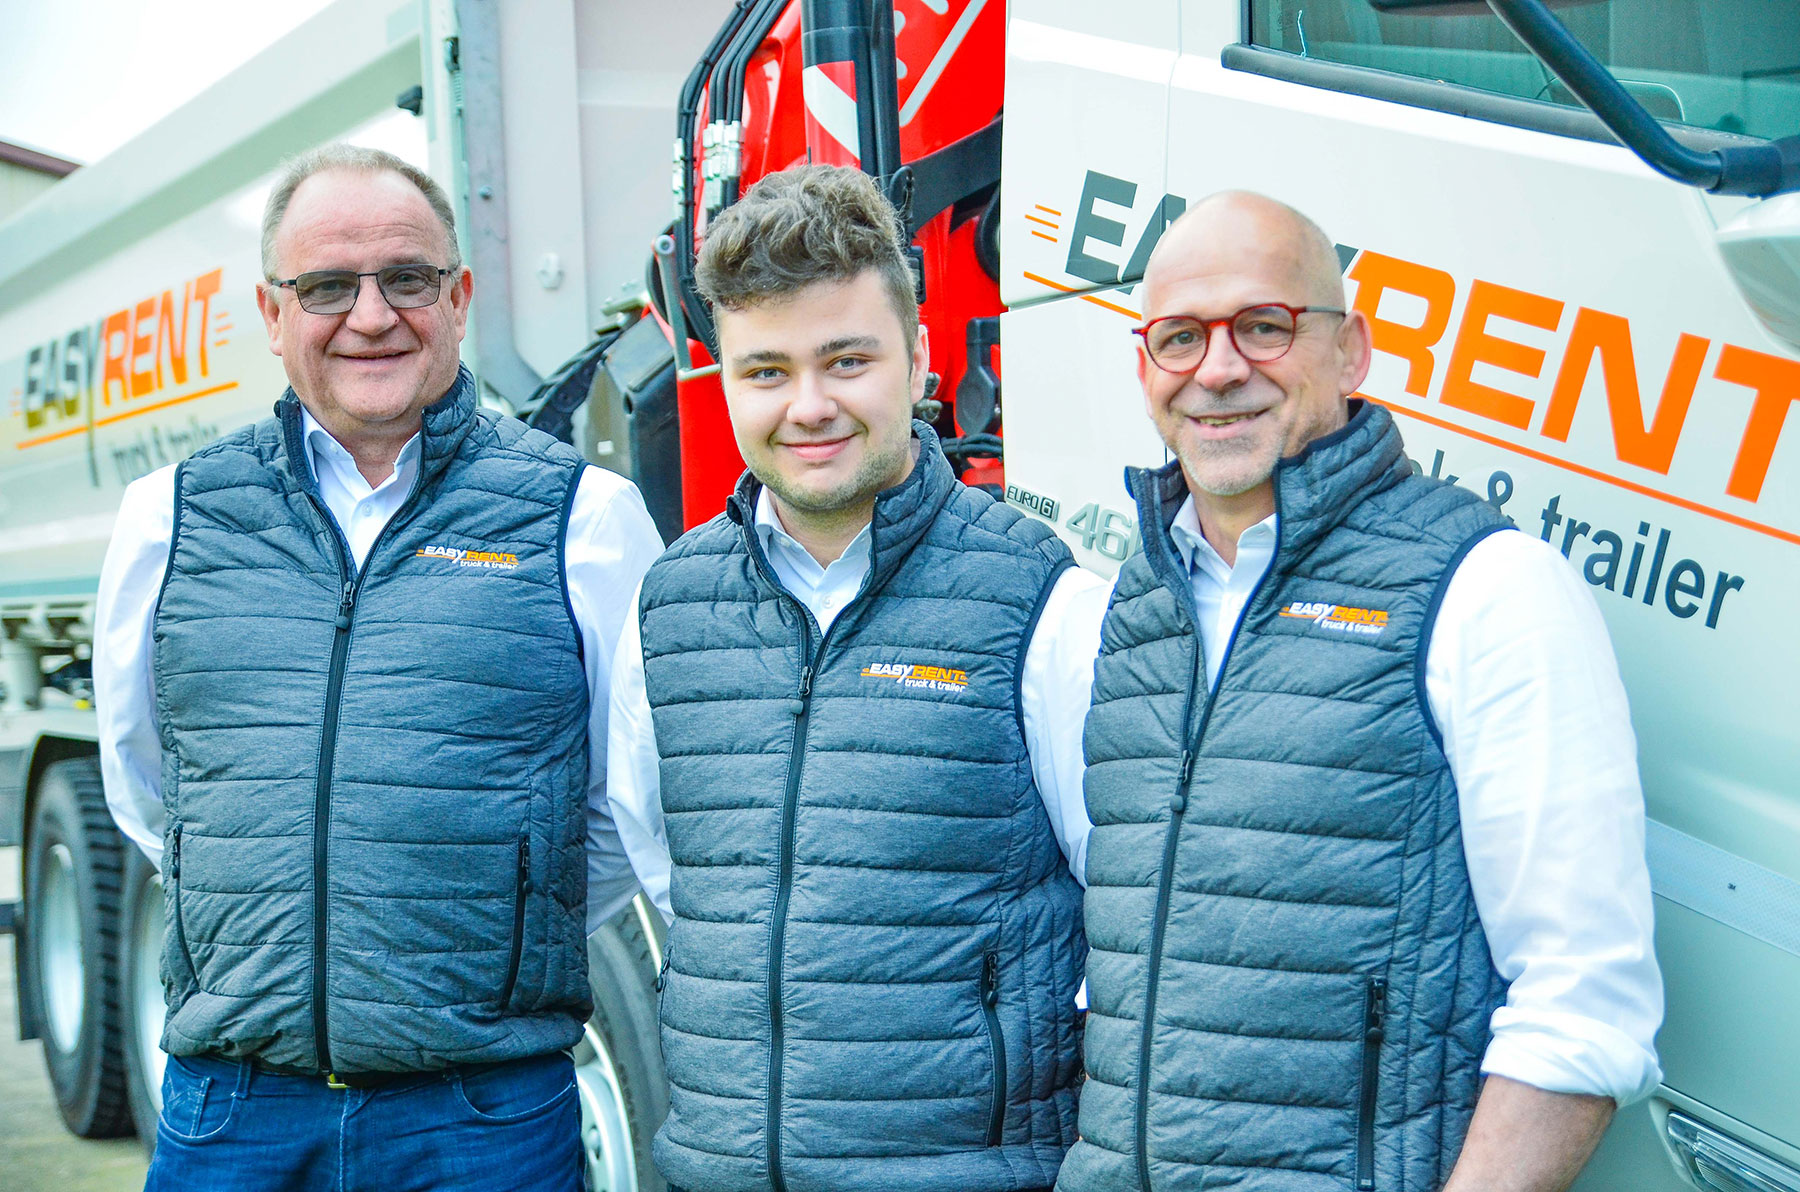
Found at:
(1729, 65)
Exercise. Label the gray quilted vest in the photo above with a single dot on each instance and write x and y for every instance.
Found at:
(1289, 987)
(375, 783)
(877, 941)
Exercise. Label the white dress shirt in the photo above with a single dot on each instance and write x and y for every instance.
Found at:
(610, 542)
(1522, 683)
(1057, 680)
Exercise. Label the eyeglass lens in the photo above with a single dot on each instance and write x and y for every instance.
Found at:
(1260, 333)
(334, 291)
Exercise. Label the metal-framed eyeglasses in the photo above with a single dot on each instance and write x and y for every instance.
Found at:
(1260, 333)
(334, 291)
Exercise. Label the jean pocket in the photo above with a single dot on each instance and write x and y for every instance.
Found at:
(196, 1107)
(514, 1092)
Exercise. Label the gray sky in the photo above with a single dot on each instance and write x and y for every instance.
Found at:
(80, 77)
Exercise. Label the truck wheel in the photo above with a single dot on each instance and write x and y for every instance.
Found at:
(73, 856)
(141, 991)
(618, 1063)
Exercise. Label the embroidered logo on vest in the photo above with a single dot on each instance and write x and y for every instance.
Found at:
(468, 558)
(1339, 618)
(925, 678)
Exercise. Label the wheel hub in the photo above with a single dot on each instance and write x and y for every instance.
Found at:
(605, 1132)
(62, 970)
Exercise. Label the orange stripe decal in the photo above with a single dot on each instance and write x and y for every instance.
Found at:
(1041, 236)
(1028, 275)
(1045, 222)
(161, 405)
(1642, 490)
(1048, 210)
(1133, 315)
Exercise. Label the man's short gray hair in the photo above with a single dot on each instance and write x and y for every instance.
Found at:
(339, 156)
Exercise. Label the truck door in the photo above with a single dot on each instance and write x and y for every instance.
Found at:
(1557, 329)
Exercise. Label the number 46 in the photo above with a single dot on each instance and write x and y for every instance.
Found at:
(1107, 531)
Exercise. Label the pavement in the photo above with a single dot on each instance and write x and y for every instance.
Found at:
(37, 1153)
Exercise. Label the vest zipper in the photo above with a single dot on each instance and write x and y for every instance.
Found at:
(784, 883)
(180, 925)
(334, 691)
(990, 1008)
(1374, 1014)
(784, 880)
(1178, 801)
(521, 888)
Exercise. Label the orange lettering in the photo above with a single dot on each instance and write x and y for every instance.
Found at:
(143, 339)
(1374, 274)
(1475, 346)
(1776, 381)
(205, 286)
(169, 343)
(1597, 333)
(116, 330)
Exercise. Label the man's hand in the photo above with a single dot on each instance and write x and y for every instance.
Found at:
(1523, 1139)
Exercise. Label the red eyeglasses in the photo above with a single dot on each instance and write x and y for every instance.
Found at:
(1261, 333)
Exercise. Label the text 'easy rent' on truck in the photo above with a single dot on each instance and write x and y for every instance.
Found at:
(1602, 341)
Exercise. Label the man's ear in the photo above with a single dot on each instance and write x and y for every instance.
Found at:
(268, 303)
(921, 365)
(460, 291)
(1357, 345)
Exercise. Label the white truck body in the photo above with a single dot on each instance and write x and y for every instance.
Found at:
(1620, 383)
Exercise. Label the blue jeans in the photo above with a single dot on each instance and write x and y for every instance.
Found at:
(229, 1127)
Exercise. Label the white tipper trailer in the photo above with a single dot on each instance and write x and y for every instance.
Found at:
(1607, 353)
(130, 337)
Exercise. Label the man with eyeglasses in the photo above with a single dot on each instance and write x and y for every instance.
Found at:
(351, 671)
(1367, 820)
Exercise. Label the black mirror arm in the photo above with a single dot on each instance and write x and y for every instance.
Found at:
(1766, 169)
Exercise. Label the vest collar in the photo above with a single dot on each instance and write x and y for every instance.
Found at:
(444, 425)
(902, 513)
(1314, 490)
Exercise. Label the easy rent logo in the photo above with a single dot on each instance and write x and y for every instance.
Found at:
(923, 678)
(468, 558)
(1339, 618)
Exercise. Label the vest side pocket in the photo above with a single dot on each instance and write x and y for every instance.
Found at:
(175, 916)
(521, 888)
(1374, 1011)
(990, 1009)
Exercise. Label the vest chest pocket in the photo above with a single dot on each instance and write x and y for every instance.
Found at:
(521, 889)
(990, 1009)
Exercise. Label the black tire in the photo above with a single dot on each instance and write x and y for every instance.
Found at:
(622, 969)
(140, 991)
(72, 842)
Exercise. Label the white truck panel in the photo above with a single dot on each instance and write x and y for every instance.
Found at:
(1584, 343)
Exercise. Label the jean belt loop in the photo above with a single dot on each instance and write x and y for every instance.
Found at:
(246, 1072)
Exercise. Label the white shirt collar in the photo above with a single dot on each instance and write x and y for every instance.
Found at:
(775, 540)
(316, 441)
(1198, 555)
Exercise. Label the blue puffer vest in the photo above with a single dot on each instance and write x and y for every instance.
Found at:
(1290, 989)
(375, 782)
(877, 940)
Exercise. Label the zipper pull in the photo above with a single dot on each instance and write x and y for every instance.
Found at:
(1187, 765)
(1373, 1026)
(345, 605)
(175, 854)
(525, 864)
(662, 974)
(805, 681)
(990, 979)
